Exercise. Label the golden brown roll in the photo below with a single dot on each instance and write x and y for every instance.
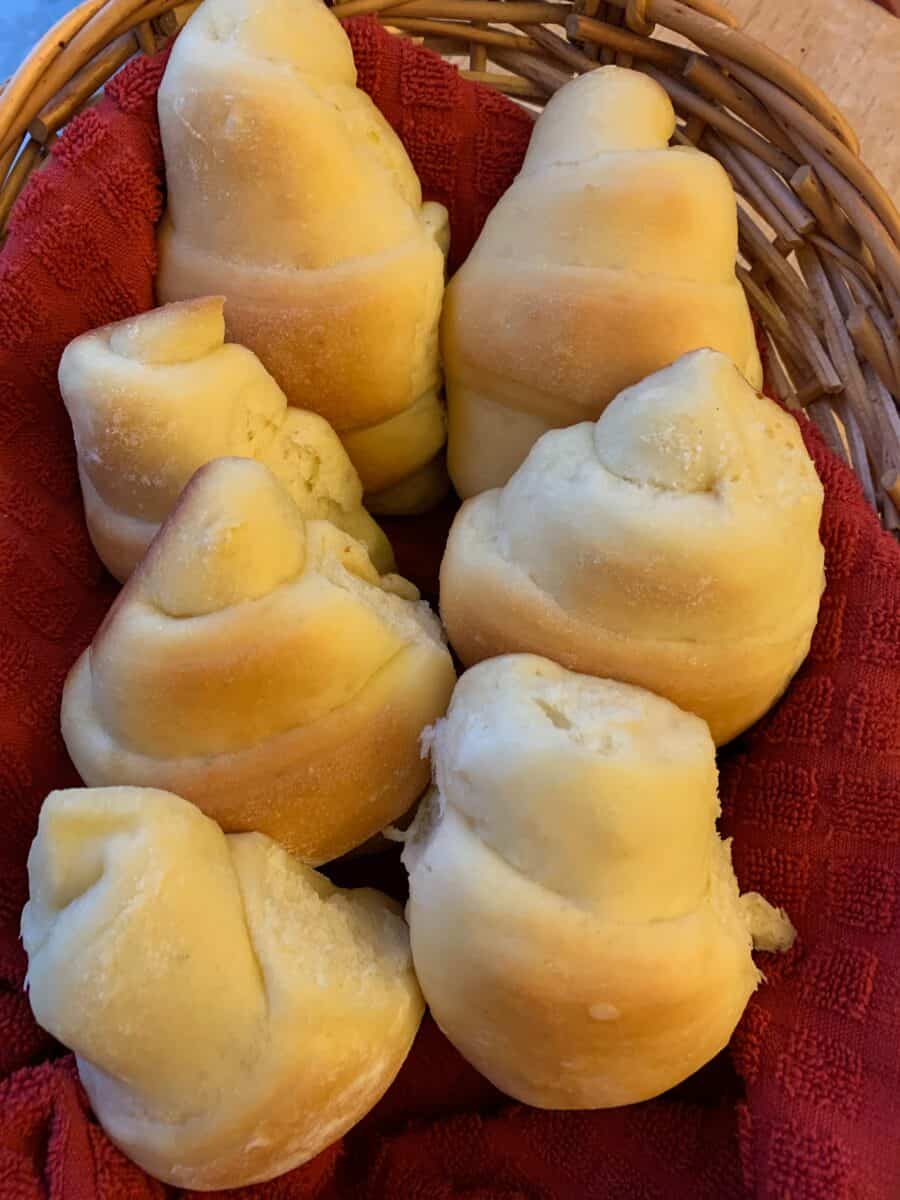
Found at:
(575, 920)
(156, 396)
(673, 544)
(290, 194)
(257, 664)
(232, 1012)
(611, 255)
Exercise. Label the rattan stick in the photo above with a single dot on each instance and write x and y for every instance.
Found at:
(689, 102)
(503, 12)
(509, 85)
(841, 348)
(889, 515)
(362, 8)
(706, 77)
(857, 292)
(892, 295)
(153, 10)
(796, 214)
(813, 355)
(102, 28)
(832, 221)
(839, 288)
(781, 381)
(836, 335)
(543, 74)
(146, 38)
(890, 481)
(24, 80)
(559, 48)
(718, 12)
(810, 391)
(631, 19)
(456, 31)
(6, 161)
(746, 182)
(885, 409)
(15, 181)
(766, 307)
(808, 386)
(768, 258)
(738, 46)
(477, 50)
(807, 132)
(600, 33)
(82, 86)
(822, 415)
(610, 15)
(816, 356)
(477, 55)
(885, 251)
(694, 129)
(851, 265)
(890, 341)
(858, 454)
(592, 8)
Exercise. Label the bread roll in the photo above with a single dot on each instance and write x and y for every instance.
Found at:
(673, 544)
(154, 397)
(232, 1012)
(610, 256)
(574, 917)
(257, 664)
(289, 193)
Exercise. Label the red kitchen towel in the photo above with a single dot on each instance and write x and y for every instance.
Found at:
(806, 1105)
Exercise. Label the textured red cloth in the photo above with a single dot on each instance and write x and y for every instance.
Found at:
(806, 1106)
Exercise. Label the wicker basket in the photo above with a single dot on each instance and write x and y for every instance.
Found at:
(819, 236)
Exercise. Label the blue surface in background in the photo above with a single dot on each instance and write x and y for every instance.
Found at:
(22, 23)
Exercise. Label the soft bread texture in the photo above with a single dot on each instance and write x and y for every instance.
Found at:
(232, 1012)
(257, 664)
(289, 193)
(609, 257)
(575, 921)
(673, 544)
(155, 397)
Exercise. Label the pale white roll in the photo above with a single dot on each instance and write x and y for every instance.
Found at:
(231, 1011)
(290, 194)
(611, 255)
(258, 665)
(154, 397)
(575, 921)
(674, 544)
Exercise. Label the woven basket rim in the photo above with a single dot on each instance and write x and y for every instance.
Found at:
(819, 235)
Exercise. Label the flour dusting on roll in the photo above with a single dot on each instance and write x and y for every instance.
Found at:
(575, 920)
(232, 1012)
(672, 544)
(290, 194)
(257, 664)
(155, 397)
(612, 254)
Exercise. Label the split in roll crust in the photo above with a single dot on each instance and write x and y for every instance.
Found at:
(257, 664)
(575, 921)
(673, 544)
(231, 1011)
(290, 194)
(610, 256)
(155, 397)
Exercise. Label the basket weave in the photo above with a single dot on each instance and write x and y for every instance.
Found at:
(819, 236)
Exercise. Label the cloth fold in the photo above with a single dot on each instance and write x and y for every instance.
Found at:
(806, 1103)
